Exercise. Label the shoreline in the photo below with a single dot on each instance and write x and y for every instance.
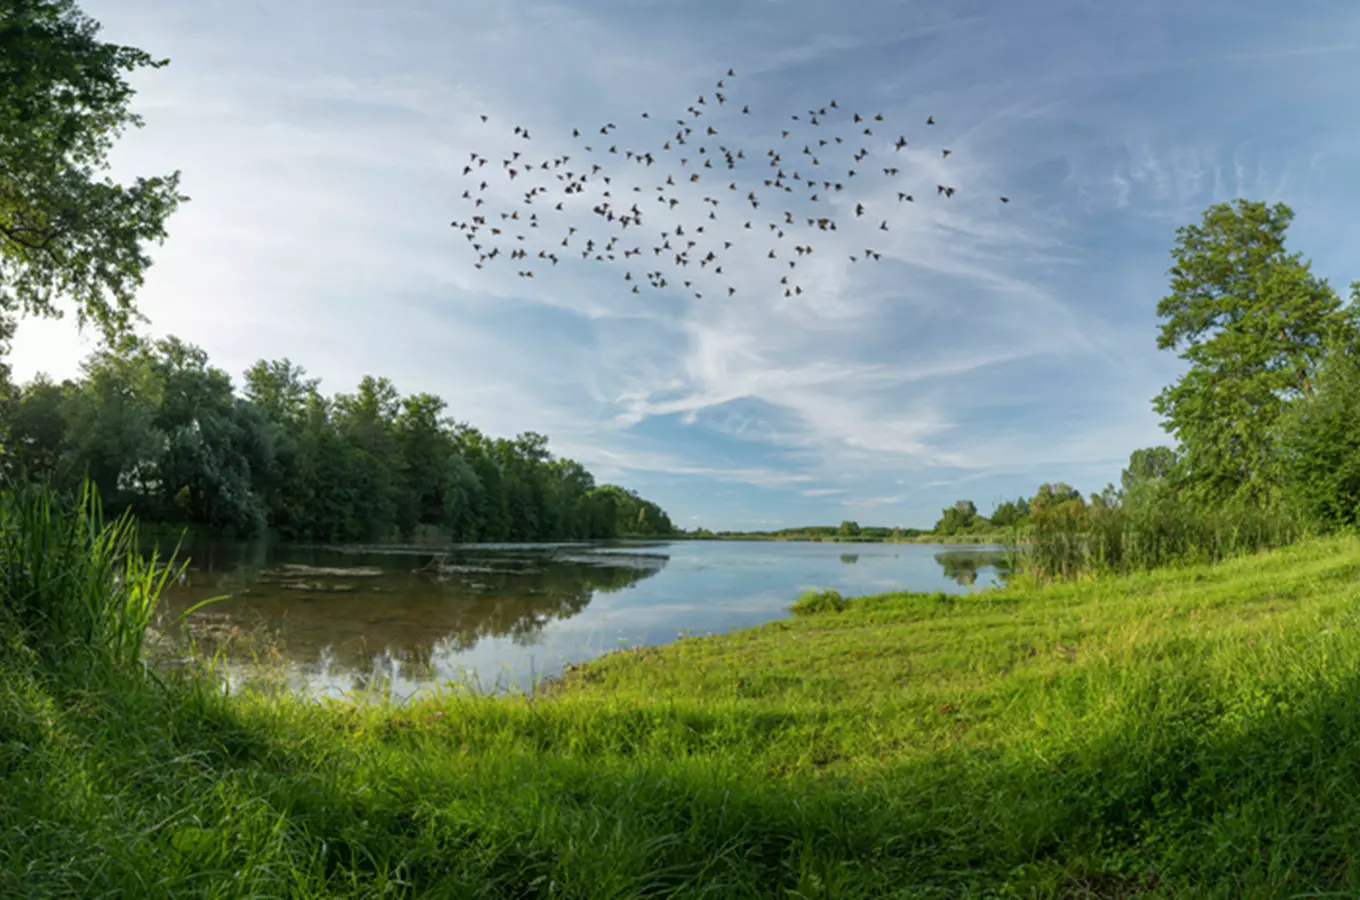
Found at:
(1020, 740)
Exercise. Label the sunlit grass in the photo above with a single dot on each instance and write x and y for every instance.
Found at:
(1186, 733)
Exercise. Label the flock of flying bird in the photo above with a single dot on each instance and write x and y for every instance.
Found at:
(687, 157)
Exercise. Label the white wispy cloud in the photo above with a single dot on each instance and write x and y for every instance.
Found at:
(993, 343)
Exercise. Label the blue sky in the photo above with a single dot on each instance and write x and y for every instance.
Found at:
(991, 349)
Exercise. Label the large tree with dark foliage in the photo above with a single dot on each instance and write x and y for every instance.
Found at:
(163, 433)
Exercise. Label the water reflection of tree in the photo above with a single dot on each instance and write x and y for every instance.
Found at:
(963, 565)
(849, 558)
(520, 600)
(414, 609)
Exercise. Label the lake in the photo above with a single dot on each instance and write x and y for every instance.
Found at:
(498, 617)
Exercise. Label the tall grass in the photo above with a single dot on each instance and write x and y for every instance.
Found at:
(1186, 734)
(74, 589)
(1152, 530)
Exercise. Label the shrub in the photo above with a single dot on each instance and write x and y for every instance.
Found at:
(815, 603)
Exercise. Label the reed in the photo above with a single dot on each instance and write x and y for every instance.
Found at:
(74, 589)
(1155, 529)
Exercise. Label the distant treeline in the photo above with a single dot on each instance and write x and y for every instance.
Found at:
(164, 434)
(846, 531)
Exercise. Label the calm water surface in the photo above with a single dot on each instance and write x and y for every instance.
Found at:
(500, 617)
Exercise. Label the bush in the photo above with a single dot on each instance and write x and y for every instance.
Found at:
(816, 603)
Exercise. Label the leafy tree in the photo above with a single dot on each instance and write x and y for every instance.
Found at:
(212, 444)
(462, 496)
(1320, 444)
(281, 389)
(634, 515)
(1051, 495)
(1148, 464)
(111, 433)
(366, 420)
(63, 230)
(1253, 319)
(37, 428)
(1108, 498)
(423, 447)
(848, 529)
(1010, 512)
(960, 518)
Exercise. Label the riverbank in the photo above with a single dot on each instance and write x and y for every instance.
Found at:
(1187, 733)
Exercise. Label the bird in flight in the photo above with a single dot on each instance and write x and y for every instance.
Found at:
(709, 242)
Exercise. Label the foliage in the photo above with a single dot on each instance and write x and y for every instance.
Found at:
(162, 433)
(1010, 513)
(1147, 465)
(1153, 524)
(1051, 495)
(961, 518)
(1254, 322)
(1320, 444)
(64, 232)
(74, 591)
(1110, 497)
(857, 533)
(813, 603)
(1091, 740)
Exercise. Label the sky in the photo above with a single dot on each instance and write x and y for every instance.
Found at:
(993, 347)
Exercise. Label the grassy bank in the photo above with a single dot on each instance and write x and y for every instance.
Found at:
(1183, 734)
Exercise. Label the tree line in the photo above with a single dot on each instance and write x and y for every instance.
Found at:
(1266, 441)
(845, 531)
(164, 434)
(1262, 422)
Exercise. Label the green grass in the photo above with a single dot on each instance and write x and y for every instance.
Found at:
(1189, 733)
